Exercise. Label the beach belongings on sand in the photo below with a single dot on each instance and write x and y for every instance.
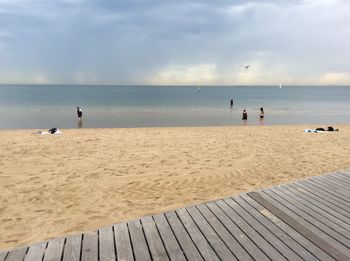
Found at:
(54, 131)
(311, 130)
(330, 128)
(321, 130)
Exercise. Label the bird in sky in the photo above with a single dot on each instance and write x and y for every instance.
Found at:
(246, 67)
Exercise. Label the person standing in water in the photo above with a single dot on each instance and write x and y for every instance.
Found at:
(245, 117)
(80, 116)
(261, 116)
(80, 113)
(231, 104)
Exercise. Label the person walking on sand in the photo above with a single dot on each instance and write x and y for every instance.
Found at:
(80, 113)
(261, 116)
(245, 117)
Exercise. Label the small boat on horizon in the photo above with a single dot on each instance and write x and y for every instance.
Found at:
(280, 85)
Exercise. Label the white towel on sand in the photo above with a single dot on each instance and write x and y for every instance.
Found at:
(58, 132)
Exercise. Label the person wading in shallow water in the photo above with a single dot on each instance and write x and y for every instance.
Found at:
(80, 113)
(245, 117)
(261, 116)
(80, 117)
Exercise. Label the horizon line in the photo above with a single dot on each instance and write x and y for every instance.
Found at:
(174, 85)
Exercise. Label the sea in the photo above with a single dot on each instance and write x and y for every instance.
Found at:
(46, 106)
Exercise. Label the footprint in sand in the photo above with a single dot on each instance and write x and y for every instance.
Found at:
(90, 212)
(95, 217)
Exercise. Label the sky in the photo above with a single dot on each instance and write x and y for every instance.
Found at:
(175, 42)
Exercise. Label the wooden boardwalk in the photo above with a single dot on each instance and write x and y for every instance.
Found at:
(304, 220)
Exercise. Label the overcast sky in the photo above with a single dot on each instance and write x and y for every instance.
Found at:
(175, 41)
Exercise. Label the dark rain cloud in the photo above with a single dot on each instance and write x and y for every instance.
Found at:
(113, 41)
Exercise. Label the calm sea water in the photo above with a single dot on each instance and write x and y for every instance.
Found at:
(46, 106)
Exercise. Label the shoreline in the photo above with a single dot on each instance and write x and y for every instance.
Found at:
(88, 178)
(302, 125)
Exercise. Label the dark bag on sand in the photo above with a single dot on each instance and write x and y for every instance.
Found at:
(320, 129)
(330, 128)
(53, 130)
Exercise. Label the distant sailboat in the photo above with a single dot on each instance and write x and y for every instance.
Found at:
(199, 88)
(280, 85)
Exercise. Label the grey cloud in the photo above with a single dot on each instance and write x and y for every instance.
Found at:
(125, 41)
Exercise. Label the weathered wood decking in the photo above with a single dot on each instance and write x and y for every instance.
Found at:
(304, 220)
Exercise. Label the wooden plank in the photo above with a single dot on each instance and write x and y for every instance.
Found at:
(321, 180)
(308, 230)
(17, 254)
(280, 240)
(198, 239)
(322, 196)
(329, 186)
(329, 190)
(153, 239)
(334, 182)
(326, 183)
(168, 238)
(341, 178)
(123, 244)
(35, 252)
(265, 246)
(224, 234)
(138, 241)
(326, 192)
(343, 182)
(3, 255)
(323, 231)
(107, 251)
(89, 248)
(315, 209)
(307, 198)
(72, 248)
(311, 212)
(338, 203)
(186, 243)
(337, 177)
(332, 190)
(344, 173)
(290, 232)
(221, 250)
(245, 241)
(266, 234)
(231, 242)
(54, 250)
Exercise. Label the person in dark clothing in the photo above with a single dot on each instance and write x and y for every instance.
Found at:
(261, 116)
(79, 112)
(80, 117)
(245, 117)
(52, 130)
(231, 104)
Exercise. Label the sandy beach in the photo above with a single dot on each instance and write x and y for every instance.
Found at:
(52, 185)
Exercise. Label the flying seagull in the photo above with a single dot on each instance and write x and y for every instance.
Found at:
(246, 67)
